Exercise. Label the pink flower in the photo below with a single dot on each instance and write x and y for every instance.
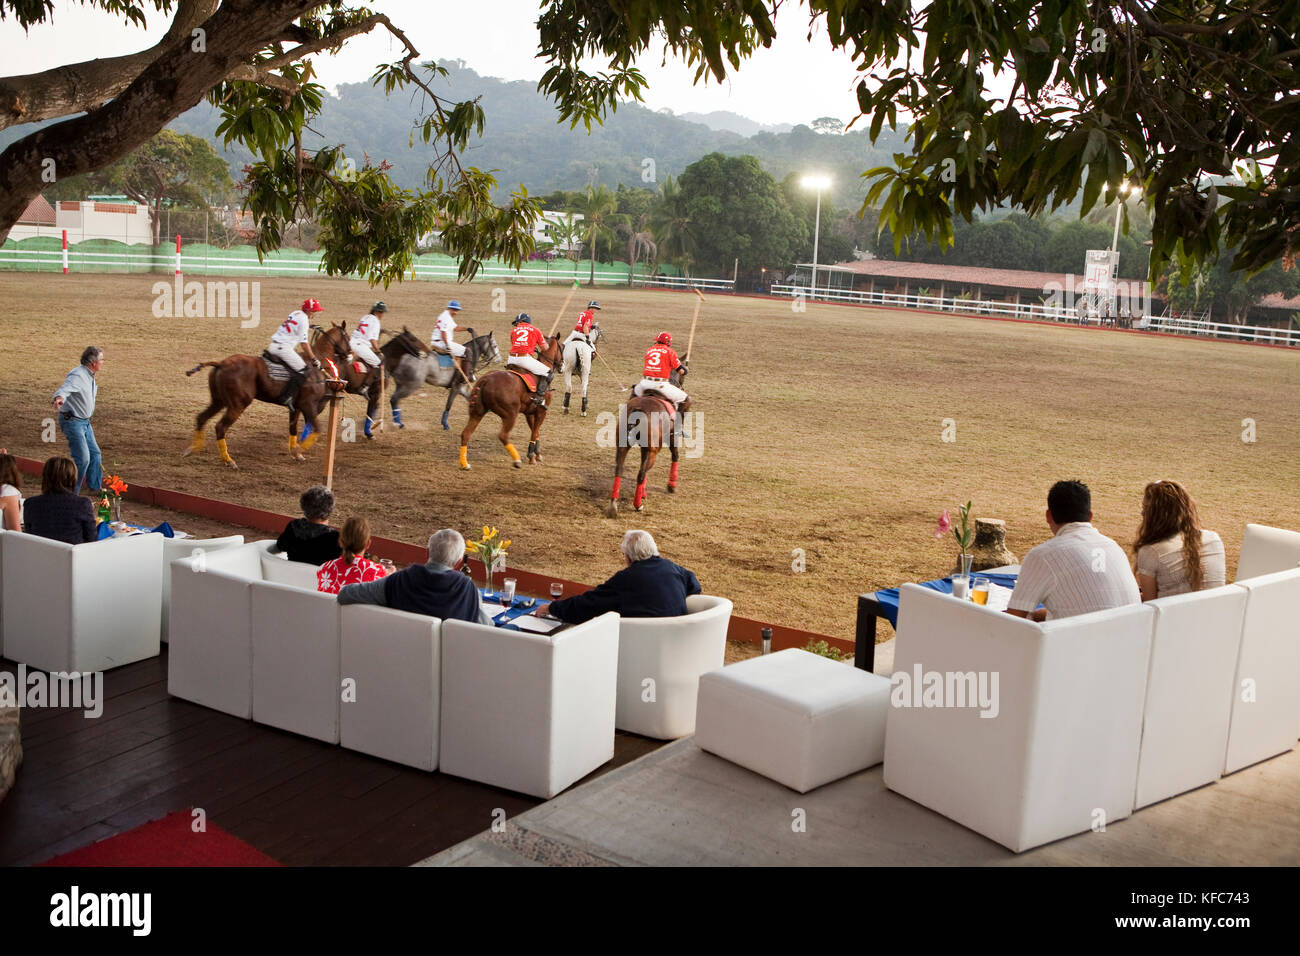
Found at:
(945, 524)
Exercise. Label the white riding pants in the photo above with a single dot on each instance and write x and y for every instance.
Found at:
(528, 364)
(362, 350)
(666, 389)
(288, 355)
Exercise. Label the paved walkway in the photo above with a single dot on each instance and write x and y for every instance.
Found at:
(682, 806)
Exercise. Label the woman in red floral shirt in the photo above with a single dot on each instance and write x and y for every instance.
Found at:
(351, 568)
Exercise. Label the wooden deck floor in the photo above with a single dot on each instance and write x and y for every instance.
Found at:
(298, 800)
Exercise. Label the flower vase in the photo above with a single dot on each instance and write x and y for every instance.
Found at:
(103, 510)
(116, 509)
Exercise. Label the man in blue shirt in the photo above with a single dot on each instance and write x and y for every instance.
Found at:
(75, 403)
(650, 586)
(436, 589)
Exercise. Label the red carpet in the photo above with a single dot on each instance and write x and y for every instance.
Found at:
(170, 841)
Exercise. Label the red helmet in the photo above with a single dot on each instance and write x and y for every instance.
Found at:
(311, 305)
(665, 338)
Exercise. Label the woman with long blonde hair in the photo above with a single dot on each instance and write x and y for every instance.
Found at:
(1174, 553)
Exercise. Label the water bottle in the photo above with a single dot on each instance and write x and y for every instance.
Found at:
(767, 640)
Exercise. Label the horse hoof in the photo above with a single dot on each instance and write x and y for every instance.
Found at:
(464, 467)
(187, 452)
(639, 507)
(584, 414)
(299, 457)
(672, 489)
(611, 509)
(518, 464)
(233, 465)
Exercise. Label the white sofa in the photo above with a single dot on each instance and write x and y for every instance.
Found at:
(84, 607)
(1195, 642)
(295, 647)
(528, 712)
(1265, 550)
(210, 660)
(672, 652)
(278, 569)
(1061, 755)
(1266, 689)
(394, 663)
(174, 548)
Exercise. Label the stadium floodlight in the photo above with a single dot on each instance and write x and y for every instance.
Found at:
(817, 182)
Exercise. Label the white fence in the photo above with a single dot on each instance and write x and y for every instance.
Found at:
(675, 282)
(1054, 313)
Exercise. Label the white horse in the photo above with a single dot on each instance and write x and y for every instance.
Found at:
(578, 351)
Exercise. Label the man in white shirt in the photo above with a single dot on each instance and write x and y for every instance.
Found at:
(1079, 570)
(442, 336)
(367, 331)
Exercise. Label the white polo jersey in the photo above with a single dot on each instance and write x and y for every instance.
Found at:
(1078, 571)
(293, 330)
(368, 328)
(446, 323)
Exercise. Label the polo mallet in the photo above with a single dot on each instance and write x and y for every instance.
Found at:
(691, 340)
(621, 387)
(564, 308)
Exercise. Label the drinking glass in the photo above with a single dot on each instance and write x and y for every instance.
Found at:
(960, 585)
(508, 592)
(556, 589)
(979, 590)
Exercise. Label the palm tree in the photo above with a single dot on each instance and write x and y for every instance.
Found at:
(566, 233)
(640, 244)
(597, 208)
(671, 225)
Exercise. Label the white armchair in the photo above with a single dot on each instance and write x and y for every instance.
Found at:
(672, 652)
(210, 656)
(1266, 690)
(296, 682)
(278, 569)
(1061, 754)
(1194, 647)
(395, 661)
(1265, 550)
(174, 548)
(84, 607)
(528, 712)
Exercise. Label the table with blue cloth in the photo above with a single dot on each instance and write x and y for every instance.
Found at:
(105, 531)
(502, 615)
(884, 603)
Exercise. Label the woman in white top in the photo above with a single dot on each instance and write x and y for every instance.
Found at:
(1174, 554)
(11, 496)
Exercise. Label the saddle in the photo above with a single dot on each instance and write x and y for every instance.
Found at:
(669, 409)
(275, 368)
(528, 378)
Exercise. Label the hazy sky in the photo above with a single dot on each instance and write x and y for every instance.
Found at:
(795, 81)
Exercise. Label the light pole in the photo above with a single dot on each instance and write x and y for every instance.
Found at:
(1124, 190)
(818, 183)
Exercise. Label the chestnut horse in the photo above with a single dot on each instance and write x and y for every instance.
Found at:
(642, 423)
(236, 382)
(501, 391)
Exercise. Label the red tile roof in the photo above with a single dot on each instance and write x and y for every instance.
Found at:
(38, 213)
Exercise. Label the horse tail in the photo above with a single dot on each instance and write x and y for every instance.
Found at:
(202, 365)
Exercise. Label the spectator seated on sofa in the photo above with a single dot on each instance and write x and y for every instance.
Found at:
(650, 586)
(11, 493)
(1175, 554)
(1079, 570)
(353, 567)
(309, 539)
(437, 588)
(58, 512)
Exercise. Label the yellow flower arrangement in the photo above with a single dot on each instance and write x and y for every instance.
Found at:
(491, 549)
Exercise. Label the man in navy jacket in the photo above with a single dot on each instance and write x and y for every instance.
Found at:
(650, 586)
(436, 588)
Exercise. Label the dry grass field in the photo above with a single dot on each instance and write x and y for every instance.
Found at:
(819, 430)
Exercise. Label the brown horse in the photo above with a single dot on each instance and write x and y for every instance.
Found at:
(503, 392)
(643, 423)
(236, 382)
(336, 347)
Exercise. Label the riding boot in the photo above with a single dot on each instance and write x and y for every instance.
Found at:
(543, 386)
(296, 380)
(566, 403)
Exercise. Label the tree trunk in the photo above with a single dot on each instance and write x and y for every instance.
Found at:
(591, 281)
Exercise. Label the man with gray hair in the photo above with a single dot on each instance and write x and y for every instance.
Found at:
(75, 403)
(650, 586)
(436, 588)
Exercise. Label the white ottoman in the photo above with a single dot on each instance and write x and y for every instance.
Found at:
(798, 718)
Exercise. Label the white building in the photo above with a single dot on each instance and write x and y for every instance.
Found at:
(543, 229)
(124, 221)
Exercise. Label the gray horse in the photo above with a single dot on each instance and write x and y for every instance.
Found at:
(578, 351)
(411, 372)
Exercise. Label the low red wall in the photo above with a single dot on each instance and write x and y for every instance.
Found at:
(741, 629)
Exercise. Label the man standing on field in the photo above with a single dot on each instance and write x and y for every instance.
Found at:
(75, 403)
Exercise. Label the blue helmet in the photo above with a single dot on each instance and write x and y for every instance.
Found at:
(454, 304)
(522, 317)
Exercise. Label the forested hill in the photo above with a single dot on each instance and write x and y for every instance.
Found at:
(522, 140)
